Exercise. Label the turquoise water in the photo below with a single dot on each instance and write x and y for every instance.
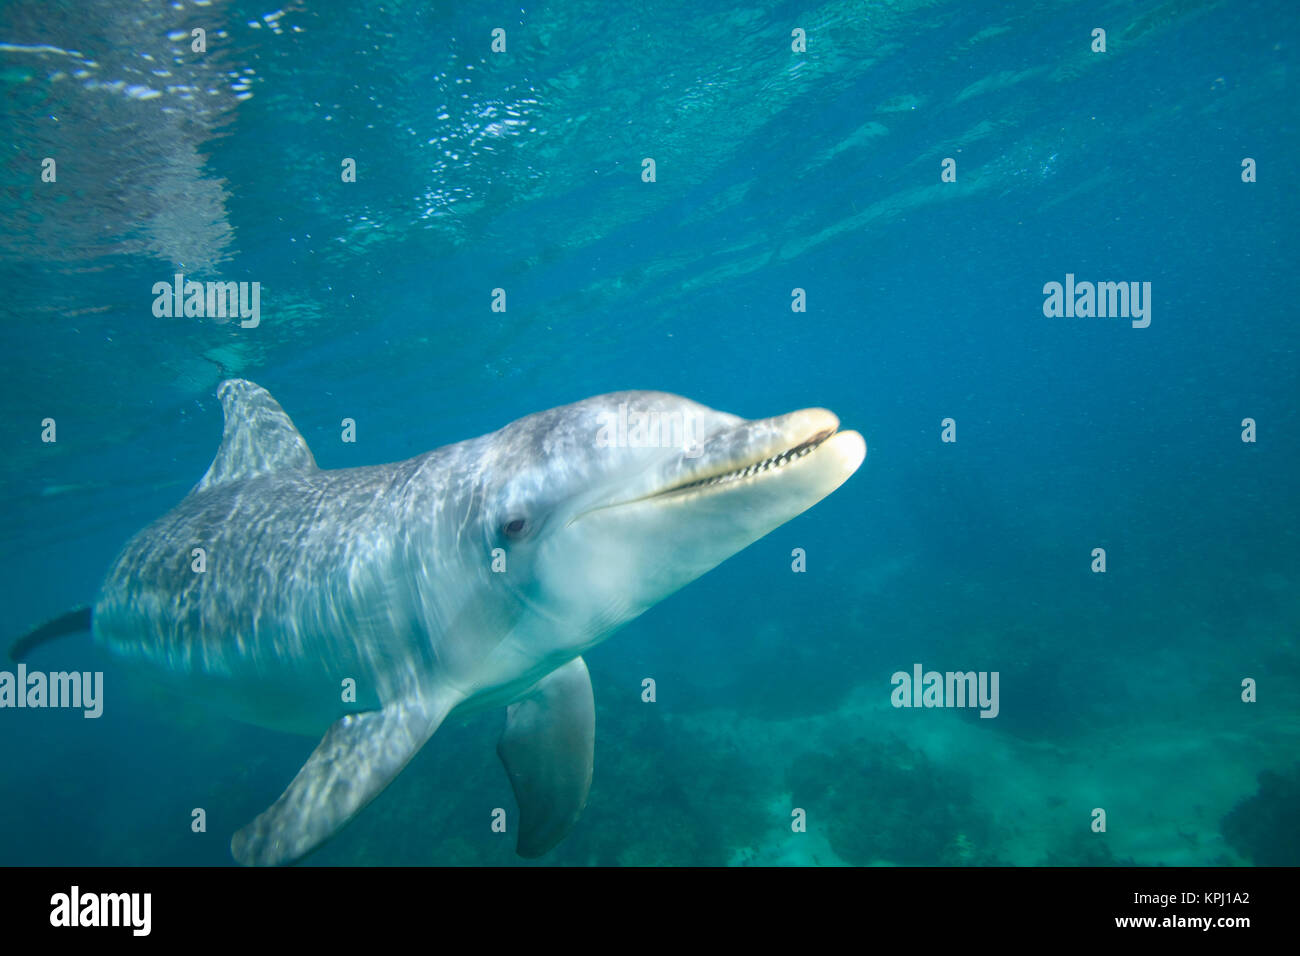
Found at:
(774, 170)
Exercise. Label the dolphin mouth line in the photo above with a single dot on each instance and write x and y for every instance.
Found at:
(779, 460)
(724, 479)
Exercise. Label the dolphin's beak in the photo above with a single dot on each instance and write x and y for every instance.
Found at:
(797, 444)
(796, 459)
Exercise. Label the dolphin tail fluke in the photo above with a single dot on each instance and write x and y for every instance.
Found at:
(357, 758)
(547, 749)
(76, 621)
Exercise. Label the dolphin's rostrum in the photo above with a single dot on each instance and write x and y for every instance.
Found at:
(469, 577)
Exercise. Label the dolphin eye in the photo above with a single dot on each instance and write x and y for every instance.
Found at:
(516, 528)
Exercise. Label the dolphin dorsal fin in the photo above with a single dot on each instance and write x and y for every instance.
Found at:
(259, 438)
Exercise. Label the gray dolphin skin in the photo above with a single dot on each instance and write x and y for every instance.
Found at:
(473, 576)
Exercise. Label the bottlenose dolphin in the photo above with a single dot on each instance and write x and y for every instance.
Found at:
(473, 576)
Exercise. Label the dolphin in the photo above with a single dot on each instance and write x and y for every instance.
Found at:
(377, 601)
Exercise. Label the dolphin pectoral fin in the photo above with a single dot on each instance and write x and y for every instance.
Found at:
(547, 749)
(356, 759)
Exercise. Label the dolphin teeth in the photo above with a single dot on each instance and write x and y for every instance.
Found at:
(775, 461)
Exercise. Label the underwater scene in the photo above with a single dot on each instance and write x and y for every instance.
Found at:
(678, 434)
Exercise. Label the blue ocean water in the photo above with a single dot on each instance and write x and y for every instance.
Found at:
(775, 169)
